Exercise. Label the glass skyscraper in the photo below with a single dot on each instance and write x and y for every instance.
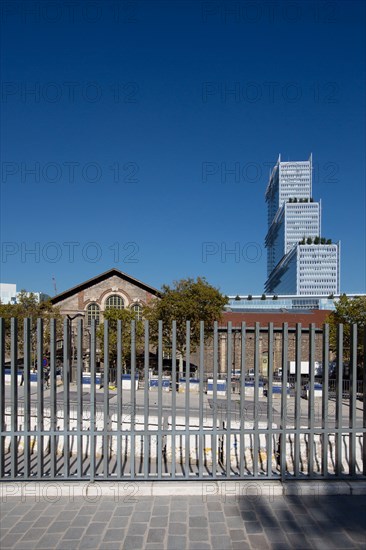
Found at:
(299, 260)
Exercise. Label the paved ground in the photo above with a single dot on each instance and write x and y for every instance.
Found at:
(247, 411)
(183, 522)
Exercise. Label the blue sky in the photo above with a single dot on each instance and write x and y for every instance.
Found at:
(122, 122)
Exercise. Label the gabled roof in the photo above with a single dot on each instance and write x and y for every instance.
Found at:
(100, 278)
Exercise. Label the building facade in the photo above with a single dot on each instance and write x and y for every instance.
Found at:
(111, 289)
(256, 350)
(299, 260)
(8, 293)
(285, 303)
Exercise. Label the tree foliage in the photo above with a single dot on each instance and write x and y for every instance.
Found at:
(348, 311)
(27, 306)
(126, 316)
(187, 300)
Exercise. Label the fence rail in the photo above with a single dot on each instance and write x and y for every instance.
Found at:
(105, 425)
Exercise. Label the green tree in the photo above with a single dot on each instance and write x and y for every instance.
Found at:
(309, 240)
(126, 316)
(187, 300)
(347, 312)
(27, 306)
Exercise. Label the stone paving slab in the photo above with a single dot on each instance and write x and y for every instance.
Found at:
(183, 522)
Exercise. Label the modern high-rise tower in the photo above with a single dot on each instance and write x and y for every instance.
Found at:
(299, 259)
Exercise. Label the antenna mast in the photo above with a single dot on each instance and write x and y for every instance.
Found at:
(54, 285)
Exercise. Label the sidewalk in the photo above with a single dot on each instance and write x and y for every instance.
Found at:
(239, 516)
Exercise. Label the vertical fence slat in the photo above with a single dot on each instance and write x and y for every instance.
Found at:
(106, 400)
(214, 401)
(228, 397)
(269, 400)
(283, 435)
(200, 403)
(187, 412)
(160, 397)
(242, 396)
(14, 396)
(311, 403)
(133, 398)
(256, 399)
(352, 401)
(2, 398)
(339, 399)
(92, 398)
(174, 396)
(325, 397)
(119, 398)
(79, 390)
(364, 405)
(146, 401)
(40, 398)
(53, 398)
(297, 411)
(26, 402)
(66, 388)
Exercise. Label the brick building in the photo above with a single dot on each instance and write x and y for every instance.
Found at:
(111, 289)
(263, 318)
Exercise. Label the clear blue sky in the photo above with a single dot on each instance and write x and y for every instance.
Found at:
(129, 118)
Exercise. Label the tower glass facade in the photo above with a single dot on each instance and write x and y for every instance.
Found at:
(294, 264)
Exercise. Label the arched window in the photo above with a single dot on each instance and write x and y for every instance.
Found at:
(114, 302)
(137, 309)
(93, 313)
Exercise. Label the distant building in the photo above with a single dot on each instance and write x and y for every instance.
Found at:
(299, 260)
(40, 296)
(285, 303)
(274, 302)
(8, 293)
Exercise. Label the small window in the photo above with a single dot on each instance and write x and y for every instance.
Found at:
(114, 302)
(93, 313)
(137, 309)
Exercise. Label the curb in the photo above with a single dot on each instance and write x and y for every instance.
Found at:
(130, 491)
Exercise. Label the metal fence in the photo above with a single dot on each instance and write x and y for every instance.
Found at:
(104, 426)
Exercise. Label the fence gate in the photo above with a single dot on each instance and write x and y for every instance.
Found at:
(229, 421)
